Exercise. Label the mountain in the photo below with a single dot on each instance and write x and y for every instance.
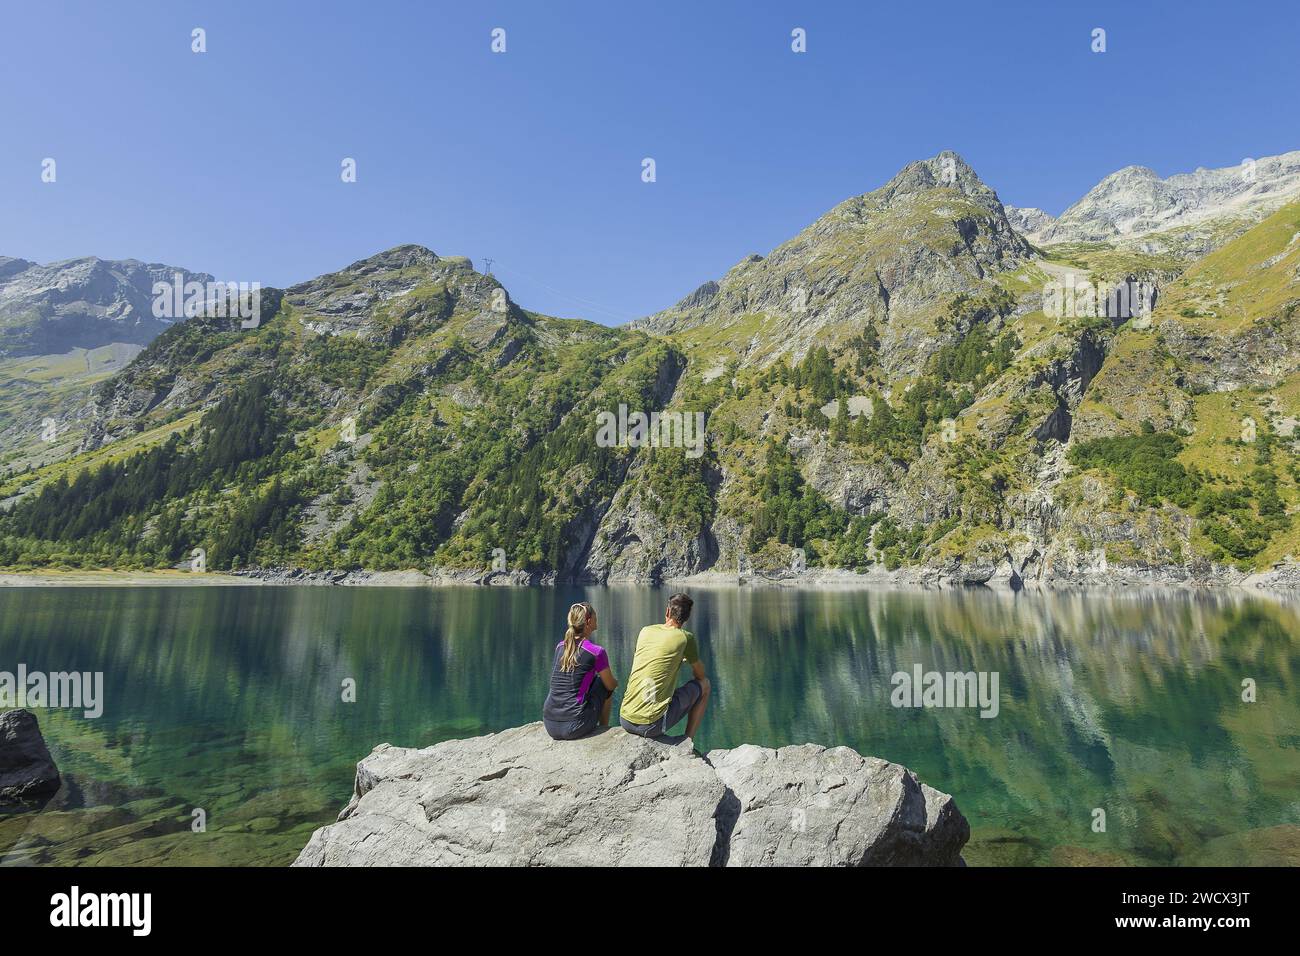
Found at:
(64, 328)
(37, 390)
(81, 303)
(398, 409)
(893, 391)
(1030, 221)
(1188, 214)
(891, 259)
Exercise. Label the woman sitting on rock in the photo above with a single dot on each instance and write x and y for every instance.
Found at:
(582, 685)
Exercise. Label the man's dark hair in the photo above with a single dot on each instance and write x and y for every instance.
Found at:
(679, 607)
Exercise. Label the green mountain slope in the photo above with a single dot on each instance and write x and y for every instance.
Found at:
(471, 421)
(888, 391)
(65, 327)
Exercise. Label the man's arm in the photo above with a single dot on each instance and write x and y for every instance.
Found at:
(697, 669)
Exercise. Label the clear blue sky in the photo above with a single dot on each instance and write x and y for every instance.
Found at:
(228, 162)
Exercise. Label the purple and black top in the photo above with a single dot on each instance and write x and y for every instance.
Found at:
(569, 697)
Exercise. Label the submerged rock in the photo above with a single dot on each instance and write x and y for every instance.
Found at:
(518, 798)
(27, 772)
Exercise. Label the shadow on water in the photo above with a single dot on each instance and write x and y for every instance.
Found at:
(224, 706)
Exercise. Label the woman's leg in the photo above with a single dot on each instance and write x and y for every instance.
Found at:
(603, 699)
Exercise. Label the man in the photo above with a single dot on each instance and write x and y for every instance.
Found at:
(651, 706)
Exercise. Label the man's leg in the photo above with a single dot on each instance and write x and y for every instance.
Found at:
(697, 711)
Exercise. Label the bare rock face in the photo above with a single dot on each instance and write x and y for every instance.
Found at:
(518, 798)
(27, 772)
(1135, 201)
(80, 303)
(899, 252)
(812, 806)
(632, 543)
(1029, 221)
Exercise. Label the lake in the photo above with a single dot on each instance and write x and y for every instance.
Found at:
(229, 700)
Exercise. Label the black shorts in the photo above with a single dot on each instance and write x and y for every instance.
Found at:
(597, 694)
(684, 698)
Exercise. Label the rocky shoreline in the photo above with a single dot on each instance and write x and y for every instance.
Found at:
(1281, 578)
(519, 798)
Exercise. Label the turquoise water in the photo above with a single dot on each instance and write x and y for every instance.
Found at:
(229, 700)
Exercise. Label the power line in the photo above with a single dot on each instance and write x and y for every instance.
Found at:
(594, 306)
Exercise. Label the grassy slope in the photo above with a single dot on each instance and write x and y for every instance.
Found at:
(33, 388)
(456, 403)
(1233, 294)
(481, 425)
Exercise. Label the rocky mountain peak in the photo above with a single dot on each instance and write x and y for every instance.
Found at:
(405, 256)
(934, 230)
(401, 263)
(1135, 201)
(345, 301)
(80, 303)
(1029, 221)
(1131, 174)
(11, 267)
(947, 170)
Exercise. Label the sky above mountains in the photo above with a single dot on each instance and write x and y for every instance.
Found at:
(230, 161)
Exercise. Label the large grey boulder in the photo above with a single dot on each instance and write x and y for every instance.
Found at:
(27, 772)
(812, 806)
(519, 798)
(614, 799)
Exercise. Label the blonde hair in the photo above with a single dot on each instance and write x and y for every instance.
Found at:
(579, 614)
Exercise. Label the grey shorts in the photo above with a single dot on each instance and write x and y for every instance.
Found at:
(684, 698)
(597, 694)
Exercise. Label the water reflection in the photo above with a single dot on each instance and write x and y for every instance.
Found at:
(230, 700)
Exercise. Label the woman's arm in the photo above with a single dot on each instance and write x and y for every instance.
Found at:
(604, 671)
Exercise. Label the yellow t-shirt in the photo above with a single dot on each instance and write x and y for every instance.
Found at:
(660, 650)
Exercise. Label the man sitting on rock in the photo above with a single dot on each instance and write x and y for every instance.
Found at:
(651, 707)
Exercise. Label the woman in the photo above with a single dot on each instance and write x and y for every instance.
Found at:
(582, 685)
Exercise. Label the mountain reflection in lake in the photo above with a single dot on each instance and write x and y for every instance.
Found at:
(229, 700)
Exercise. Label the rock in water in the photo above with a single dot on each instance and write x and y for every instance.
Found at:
(813, 806)
(518, 798)
(27, 773)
